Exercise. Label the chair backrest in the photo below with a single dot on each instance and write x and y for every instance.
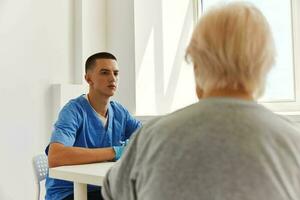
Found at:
(40, 166)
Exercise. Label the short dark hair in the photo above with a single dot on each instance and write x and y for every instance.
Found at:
(92, 59)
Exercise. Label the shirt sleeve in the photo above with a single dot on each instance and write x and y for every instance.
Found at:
(67, 125)
(119, 182)
(132, 125)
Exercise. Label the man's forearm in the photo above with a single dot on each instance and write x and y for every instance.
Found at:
(60, 155)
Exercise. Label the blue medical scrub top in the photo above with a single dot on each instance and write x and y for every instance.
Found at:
(79, 125)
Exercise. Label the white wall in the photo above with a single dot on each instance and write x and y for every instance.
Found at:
(44, 45)
(120, 41)
(162, 74)
(90, 33)
(37, 50)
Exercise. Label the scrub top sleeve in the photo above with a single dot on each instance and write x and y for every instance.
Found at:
(67, 125)
(132, 125)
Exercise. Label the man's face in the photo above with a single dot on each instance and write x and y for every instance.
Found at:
(103, 78)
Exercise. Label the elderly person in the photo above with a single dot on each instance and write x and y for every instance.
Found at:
(226, 146)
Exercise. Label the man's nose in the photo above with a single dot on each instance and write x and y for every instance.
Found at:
(113, 78)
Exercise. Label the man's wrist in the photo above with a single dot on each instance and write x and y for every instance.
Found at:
(118, 151)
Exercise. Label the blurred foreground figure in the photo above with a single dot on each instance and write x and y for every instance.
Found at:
(226, 146)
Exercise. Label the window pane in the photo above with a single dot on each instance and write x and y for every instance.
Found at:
(280, 83)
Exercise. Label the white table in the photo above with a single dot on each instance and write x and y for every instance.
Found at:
(82, 175)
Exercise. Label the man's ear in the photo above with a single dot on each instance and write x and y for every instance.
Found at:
(88, 79)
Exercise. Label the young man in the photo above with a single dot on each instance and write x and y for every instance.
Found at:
(90, 128)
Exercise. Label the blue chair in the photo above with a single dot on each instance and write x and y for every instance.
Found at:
(40, 166)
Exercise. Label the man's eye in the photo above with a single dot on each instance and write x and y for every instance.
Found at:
(104, 72)
(116, 73)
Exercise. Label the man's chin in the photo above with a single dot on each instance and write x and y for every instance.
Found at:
(107, 93)
(110, 94)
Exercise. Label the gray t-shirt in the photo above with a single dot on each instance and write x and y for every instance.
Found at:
(216, 149)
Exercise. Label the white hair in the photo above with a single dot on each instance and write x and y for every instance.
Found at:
(232, 47)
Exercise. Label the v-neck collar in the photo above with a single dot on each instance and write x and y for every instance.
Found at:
(110, 118)
(110, 114)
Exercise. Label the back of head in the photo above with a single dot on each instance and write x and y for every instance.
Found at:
(92, 59)
(232, 48)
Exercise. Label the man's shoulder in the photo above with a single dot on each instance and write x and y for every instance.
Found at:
(116, 106)
(75, 104)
